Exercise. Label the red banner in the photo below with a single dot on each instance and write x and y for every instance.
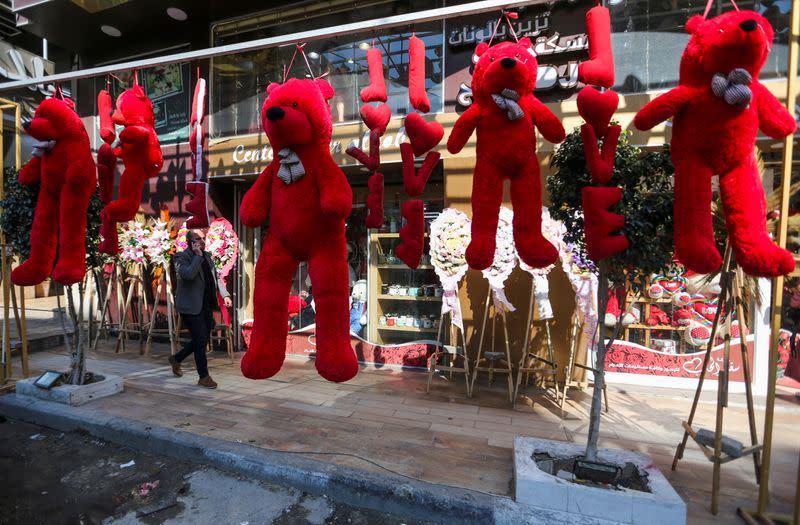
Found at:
(303, 342)
(630, 358)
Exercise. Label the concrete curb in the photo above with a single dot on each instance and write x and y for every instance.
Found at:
(383, 492)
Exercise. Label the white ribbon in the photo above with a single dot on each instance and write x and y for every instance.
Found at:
(452, 305)
(500, 300)
(541, 294)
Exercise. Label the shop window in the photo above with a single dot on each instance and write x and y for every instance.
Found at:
(238, 82)
(649, 38)
(390, 303)
(170, 89)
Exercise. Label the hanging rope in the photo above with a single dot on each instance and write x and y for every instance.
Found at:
(507, 15)
(299, 48)
(711, 2)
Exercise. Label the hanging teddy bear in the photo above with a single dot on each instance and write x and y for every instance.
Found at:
(306, 198)
(718, 108)
(505, 114)
(63, 166)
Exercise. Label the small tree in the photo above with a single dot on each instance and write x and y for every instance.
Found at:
(647, 205)
(16, 222)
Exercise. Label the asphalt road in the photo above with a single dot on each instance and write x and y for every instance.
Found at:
(55, 478)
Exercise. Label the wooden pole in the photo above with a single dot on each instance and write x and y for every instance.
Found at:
(777, 287)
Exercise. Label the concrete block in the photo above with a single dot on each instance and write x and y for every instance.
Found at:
(73, 395)
(539, 489)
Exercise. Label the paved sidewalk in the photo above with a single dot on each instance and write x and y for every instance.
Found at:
(384, 420)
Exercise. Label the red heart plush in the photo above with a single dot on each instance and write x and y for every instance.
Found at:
(198, 206)
(597, 108)
(376, 117)
(424, 135)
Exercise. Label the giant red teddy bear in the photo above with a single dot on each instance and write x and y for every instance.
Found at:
(506, 115)
(306, 198)
(63, 164)
(718, 108)
(140, 152)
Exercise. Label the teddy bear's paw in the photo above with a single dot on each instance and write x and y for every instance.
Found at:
(66, 272)
(337, 366)
(28, 274)
(121, 210)
(767, 261)
(537, 253)
(699, 257)
(480, 254)
(261, 365)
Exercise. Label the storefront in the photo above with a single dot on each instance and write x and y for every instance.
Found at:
(396, 310)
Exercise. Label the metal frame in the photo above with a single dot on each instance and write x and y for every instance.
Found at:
(430, 15)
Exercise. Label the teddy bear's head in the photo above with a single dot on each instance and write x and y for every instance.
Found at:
(134, 108)
(508, 65)
(733, 40)
(297, 113)
(54, 119)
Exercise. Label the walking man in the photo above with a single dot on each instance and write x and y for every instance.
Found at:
(196, 301)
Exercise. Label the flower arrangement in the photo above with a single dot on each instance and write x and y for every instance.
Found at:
(450, 235)
(223, 245)
(132, 241)
(505, 259)
(221, 242)
(159, 245)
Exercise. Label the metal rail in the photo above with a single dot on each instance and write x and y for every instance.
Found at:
(375, 24)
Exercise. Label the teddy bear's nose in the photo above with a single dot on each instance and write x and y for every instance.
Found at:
(749, 25)
(275, 113)
(26, 124)
(508, 63)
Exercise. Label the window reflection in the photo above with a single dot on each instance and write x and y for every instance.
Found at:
(239, 81)
(648, 39)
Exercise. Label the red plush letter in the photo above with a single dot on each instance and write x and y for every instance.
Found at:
(416, 75)
(599, 69)
(599, 223)
(412, 235)
(376, 90)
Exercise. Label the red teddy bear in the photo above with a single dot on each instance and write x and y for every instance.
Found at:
(306, 198)
(63, 164)
(506, 115)
(139, 150)
(718, 108)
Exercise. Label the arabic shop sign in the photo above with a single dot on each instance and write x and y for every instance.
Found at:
(559, 41)
(250, 154)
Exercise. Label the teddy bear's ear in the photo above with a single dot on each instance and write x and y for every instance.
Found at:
(481, 49)
(139, 92)
(272, 87)
(693, 24)
(525, 42)
(325, 87)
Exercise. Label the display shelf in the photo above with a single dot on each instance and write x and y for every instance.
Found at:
(384, 273)
(409, 298)
(388, 235)
(655, 327)
(409, 329)
(649, 300)
(404, 267)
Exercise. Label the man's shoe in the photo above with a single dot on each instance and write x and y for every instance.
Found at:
(207, 382)
(176, 366)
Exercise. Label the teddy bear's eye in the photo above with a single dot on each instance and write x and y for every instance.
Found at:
(294, 104)
(491, 59)
(517, 55)
(721, 30)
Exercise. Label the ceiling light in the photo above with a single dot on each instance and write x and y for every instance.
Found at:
(363, 45)
(350, 61)
(111, 31)
(313, 55)
(177, 14)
